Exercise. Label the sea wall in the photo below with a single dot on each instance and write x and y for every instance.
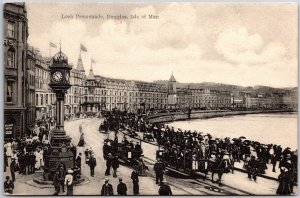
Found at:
(175, 116)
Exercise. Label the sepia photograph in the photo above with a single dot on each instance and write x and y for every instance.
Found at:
(161, 99)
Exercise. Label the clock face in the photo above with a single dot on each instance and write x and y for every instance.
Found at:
(57, 76)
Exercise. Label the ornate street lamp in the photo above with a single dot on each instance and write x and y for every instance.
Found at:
(61, 151)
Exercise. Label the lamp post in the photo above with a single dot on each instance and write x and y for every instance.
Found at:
(61, 151)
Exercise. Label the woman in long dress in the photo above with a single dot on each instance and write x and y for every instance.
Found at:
(81, 140)
(39, 159)
(284, 182)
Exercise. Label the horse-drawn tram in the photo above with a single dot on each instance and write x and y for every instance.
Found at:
(195, 166)
(127, 154)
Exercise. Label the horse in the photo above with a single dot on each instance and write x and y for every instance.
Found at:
(218, 166)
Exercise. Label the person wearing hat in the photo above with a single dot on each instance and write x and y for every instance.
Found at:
(135, 181)
(78, 162)
(121, 188)
(87, 155)
(252, 168)
(164, 189)
(62, 174)
(107, 188)
(8, 186)
(69, 182)
(159, 169)
(92, 164)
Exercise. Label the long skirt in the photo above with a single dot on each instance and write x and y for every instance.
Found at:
(81, 143)
(70, 190)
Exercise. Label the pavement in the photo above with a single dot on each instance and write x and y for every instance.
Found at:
(236, 183)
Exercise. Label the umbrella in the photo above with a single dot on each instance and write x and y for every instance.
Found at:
(242, 137)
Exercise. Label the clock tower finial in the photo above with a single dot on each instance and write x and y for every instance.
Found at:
(60, 45)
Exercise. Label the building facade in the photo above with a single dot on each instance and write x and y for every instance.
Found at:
(30, 87)
(210, 98)
(44, 97)
(15, 28)
(92, 93)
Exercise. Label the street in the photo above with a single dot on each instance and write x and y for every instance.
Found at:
(234, 184)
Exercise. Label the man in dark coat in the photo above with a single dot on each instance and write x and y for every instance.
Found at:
(121, 188)
(106, 150)
(62, 174)
(27, 162)
(165, 189)
(108, 164)
(8, 186)
(159, 169)
(252, 168)
(32, 162)
(56, 182)
(92, 164)
(107, 188)
(135, 181)
(115, 165)
(13, 167)
(78, 162)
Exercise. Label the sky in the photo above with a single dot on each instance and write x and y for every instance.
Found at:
(241, 44)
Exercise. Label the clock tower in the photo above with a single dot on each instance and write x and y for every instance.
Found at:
(61, 150)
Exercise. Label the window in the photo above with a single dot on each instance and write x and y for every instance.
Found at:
(36, 99)
(11, 58)
(11, 29)
(42, 98)
(10, 91)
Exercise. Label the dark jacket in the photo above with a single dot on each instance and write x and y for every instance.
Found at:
(107, 190)
(135, 177)
(56, 179)
(13, 166)
(92, 162)
(115, 163)
(78, 161)
(122, 189)
(165, 190)
(159, 167)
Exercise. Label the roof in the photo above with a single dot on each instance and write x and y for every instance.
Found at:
(172, 79)
(80, 66)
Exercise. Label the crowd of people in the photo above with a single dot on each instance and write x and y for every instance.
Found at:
(183, 147)
(27, 155)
